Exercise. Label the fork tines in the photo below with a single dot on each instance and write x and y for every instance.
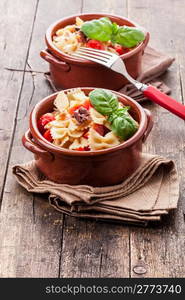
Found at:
(99, 56)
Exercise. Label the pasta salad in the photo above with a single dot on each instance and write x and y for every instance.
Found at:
(100, 34)
(87, 123)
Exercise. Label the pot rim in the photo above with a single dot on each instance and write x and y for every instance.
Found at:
(71, 59)
(62, 151)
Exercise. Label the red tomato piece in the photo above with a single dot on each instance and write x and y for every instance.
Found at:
(62, 116)
(87, 148)
(83, 148)
(72, 109)
(47, 135)
(125, 50)
(101, 129)
(86, 133)
(95, 44)
(120, 50)
(44, 120)
(86, 104)
(106, 130)
(40, 126)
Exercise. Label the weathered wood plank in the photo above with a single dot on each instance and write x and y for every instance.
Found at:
(37, 241)
(48, 12)
(31, 231)
(12, 37)
(118, 7)
(13, 51)
(159, 250)
(93, 249)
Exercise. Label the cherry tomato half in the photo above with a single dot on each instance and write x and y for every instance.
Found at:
(44, 120)
(120, 50)
(95, 44)
(47, 135)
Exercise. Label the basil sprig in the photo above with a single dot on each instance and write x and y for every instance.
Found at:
(123, 125)
(104, 30)
(128, 36)
(106, 103)
(100, 29)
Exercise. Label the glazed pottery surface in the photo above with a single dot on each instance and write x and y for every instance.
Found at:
(68, 72)
(96, 168)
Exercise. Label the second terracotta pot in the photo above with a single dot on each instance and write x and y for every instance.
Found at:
(68, 72)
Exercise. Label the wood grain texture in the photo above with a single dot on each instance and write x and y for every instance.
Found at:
(48, 12)
(158, 250)
(107, 6)
(30, 230)
(93, 249)
(37, 241)
(12, 37)
(31, 242)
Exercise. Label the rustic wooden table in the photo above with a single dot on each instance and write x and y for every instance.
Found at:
(36, 240)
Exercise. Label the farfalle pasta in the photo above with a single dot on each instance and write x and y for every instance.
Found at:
(100, 34)
(97, 118)
(99, 142)
(76, 122)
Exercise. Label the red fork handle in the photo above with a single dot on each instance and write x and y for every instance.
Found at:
(165, 101)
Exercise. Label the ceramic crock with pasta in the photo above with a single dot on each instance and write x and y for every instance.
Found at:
(67, 71)
(96, 168)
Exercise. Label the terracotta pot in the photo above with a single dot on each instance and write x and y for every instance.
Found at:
(96, 168)
(67, 71)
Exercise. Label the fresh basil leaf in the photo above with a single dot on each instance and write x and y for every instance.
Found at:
(115, 28)
(121, 122)
(128, 36)
(100, 29)
(122, 110)
(124, 126)
(118, 113)
(104, 101)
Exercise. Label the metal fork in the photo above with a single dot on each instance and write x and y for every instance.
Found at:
(115, 63)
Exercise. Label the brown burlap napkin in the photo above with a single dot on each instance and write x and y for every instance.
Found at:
(154, 64)
(149, 193)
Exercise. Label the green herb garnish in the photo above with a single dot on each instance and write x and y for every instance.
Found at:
(104, 30)
(128, 36)
(106, 103)
(123, 125)
(100, 29)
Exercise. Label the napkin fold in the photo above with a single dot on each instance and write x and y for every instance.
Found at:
(154, 64)
(149, 193)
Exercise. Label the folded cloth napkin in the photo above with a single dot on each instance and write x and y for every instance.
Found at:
(154, 64)
(149, 193)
